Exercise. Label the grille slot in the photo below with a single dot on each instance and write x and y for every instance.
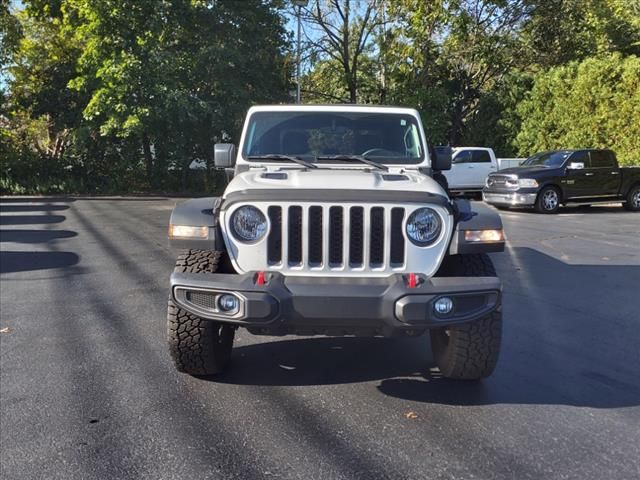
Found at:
(336, 236)
(397, 237)
(315, 236)
(295, 236)
(356, 237)
(376, 245)
(202, 300)
(274, 242)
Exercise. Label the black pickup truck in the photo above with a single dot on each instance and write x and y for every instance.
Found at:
(550, 179)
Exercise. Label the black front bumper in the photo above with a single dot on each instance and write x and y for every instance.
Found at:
(336, 306)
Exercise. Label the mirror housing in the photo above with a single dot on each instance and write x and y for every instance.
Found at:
(224, 155)
(441, 158)
(576, 166)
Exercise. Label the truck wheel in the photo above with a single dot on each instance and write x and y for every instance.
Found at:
(548, 200)
(469, 351)
(198, 346)
(633, 199)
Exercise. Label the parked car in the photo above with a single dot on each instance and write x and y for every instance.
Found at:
(471, 166)
(334, 225)
(547, 180)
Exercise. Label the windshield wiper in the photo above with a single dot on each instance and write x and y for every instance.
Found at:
(277, 156)
(359, 158)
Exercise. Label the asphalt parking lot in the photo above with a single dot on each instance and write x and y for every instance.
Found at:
(87, 390)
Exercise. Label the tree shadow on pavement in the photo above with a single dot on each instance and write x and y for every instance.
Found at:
(11, 262)
(35, 236)
(30, 219)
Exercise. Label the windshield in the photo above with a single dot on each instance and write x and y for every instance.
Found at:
(547, 159)
(382, 137)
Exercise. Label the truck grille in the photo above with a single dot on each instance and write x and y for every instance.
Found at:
(497, 180)
(329, 237)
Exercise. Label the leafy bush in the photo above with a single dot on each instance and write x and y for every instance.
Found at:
(594, 103)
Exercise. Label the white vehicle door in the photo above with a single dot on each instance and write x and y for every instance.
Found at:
(480, 166)
(460, 174)
(470, 168)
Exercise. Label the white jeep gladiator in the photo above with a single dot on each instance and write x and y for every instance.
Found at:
(337, 222)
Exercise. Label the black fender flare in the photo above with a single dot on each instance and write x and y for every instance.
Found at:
(198, 212)
(476, 216)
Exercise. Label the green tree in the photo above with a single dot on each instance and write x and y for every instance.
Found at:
(593, 103)
(122, 94)
(560, 31)
(176, 75)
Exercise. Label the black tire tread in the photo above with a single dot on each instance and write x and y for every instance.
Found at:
(198, 346)
(469, 351)
(198, 261)
(473, 349)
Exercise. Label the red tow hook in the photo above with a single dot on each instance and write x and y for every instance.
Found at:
(412, 281)
(260, 280)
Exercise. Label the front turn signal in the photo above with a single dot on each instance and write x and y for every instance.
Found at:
(186, 231)
(484, 236)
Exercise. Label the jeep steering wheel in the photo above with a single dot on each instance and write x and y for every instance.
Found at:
(381, 152)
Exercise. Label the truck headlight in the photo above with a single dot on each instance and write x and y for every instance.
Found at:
(248, 224)
(527, 183)
(424, 226)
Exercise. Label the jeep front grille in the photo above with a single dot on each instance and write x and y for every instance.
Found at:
(332, 237)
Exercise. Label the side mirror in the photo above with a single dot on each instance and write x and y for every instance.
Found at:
(442, 158)
(224, 155)
(576, 166)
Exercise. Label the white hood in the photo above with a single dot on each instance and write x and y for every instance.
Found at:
(338, 179)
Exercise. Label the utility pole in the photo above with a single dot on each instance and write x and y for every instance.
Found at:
(300, 4)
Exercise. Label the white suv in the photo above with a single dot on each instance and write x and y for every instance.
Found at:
(333, 224)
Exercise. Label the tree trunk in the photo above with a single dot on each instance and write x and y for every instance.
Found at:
(353, 89)
(148, 158)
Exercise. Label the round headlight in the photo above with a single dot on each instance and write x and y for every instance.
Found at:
(248, 224)
(423, 226)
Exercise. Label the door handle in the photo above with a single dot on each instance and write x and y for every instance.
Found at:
(588, 174)
(615, 173)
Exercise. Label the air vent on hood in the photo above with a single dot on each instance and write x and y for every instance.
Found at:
(394, 177)
(275, 175)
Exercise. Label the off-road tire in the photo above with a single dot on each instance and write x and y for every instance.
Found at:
(542, 204)
(469, 351)
(632, 199)
(198, 346)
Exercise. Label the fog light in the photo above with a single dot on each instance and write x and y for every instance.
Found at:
(443, 305)
(228, 303)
